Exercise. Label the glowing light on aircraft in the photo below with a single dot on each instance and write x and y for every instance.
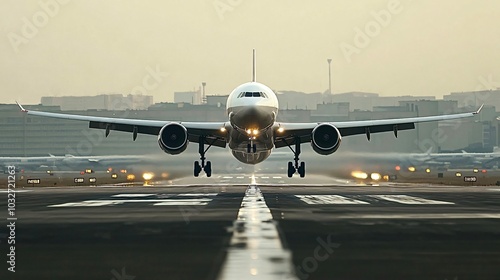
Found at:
(147, 176)
(359, 175)
(281, 130)
(130, 177)
(428, 170)
(375, 176)
(458, 174)
(411, 169)
(397, 167)
(114, 175)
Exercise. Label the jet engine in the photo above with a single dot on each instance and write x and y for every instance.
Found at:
(325, 139)
(173, 138)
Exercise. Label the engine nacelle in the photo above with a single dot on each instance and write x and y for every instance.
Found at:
(325, 139)
(173, 138)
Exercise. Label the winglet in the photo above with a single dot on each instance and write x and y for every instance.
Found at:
(21, 107)
(479, 110)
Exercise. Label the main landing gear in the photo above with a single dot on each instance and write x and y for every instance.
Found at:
(295, 166)
(202, 165)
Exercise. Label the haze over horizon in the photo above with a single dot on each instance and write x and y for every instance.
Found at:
(390, 47)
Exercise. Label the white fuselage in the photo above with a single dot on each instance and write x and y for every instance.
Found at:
(252, 109)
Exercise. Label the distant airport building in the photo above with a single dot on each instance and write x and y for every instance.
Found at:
(188, 97)
(217, 100)
(99, 102)
(24, 135)
(474, 99)
(364, 101)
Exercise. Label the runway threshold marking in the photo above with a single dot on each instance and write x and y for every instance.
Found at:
(256, 251)
(329, 199)
(161, 200)
(338, 199)
(425, 216)
(406, 199)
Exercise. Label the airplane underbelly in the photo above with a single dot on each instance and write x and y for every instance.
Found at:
(251, 158)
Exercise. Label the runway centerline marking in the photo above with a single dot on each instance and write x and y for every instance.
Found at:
(255, 244)
(406, 199)
(329, 199)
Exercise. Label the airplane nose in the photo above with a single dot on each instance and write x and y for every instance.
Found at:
(253, 117)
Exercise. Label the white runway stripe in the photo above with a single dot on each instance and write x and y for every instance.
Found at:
(156, 202)
(406, 199)
(14, 191)
(133, 195)
(424, 216)
(256, 251)
(329, 199)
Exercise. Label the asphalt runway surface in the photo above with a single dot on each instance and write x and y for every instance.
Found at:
(262, 227)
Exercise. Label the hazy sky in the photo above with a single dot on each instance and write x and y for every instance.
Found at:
(88, 47)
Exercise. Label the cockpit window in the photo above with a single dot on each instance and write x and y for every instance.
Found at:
(252, 94)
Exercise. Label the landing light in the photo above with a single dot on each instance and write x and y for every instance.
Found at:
(130, 177)
(359, 175)
(249, 131)
(255, 131)
(428, 170)
(114, 175)
(458, 174)
(375, 176)
(147, 176)
(475, 170)
(222, 129)
(281, 130)
(411, 169)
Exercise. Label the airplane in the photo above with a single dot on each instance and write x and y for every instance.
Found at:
(252, 131)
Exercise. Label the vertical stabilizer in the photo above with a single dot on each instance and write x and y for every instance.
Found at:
(254, 74)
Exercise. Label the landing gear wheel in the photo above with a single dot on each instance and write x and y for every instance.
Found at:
(302, 169)
(208, 168)
(295, 166)
(197, 168)
(205, 166)
(251, 148)
(291, 169)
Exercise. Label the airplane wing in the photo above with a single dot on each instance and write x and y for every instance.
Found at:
(302, 131)
(210, 130)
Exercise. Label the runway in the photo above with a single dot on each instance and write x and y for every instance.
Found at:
(260, 227)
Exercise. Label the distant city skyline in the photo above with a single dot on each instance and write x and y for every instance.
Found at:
(389, 47)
